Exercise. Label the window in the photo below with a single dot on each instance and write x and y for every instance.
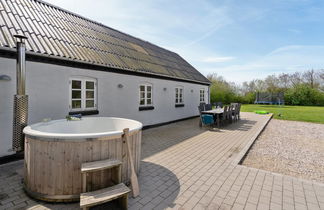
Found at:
(179, 95)
(83, 94)
(146, 95)
(202, 95)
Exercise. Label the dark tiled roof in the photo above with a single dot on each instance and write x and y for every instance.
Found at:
(58, 33)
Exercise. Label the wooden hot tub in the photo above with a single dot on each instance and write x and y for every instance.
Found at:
(55, 150)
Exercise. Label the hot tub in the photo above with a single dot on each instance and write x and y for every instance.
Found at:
(55, 150)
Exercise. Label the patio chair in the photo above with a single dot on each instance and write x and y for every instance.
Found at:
(230, 113)
(224, 116)
(238, 111)
(201, 108)
(207, 119)
(208, 107)
(235, 112)
(220, 104)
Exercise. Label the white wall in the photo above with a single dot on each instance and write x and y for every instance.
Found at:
(48, 88)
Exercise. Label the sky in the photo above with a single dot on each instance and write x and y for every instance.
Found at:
(239, 40)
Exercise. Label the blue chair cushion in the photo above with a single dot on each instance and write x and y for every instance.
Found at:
(207, 119)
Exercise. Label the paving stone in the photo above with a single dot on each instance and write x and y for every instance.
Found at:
(262, 206)
(7, 206)
(299, 206)
(229, 200)
(157, 200)
(9, 199)
(136, 206)
(193, 201)
(225, 207)
(253, 199)
(275, 206)
(241, 199)
(145, 200)
(148, 206)
(288, 206)
(187, 167)
(250, 206)
(313, 206)
(199, 207)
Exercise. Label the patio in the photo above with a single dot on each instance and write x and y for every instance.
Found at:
(187, 167)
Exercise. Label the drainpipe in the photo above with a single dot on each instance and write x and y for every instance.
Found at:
(209, 94)
(20, 111)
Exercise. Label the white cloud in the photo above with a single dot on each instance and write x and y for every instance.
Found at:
(217, 59)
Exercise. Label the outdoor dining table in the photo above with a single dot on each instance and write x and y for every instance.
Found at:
(217, 112)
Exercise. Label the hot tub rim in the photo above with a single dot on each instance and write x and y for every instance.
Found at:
(47, 136)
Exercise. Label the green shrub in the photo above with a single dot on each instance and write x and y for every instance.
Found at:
(304, 95)
(249, 98)
(219, 92)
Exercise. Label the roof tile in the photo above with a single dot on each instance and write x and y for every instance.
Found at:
(8, 37)
(51, 30)
(30, 44)
(3, 42)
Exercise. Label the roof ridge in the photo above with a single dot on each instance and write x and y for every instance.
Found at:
(100, 24)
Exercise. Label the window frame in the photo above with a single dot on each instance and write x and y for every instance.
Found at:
(83, 90)
(202, 95)
(177, 93)
(145, 95)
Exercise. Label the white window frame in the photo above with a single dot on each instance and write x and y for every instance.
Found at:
(179, 100)
(145, 95)
(202, 95)
(83, 93)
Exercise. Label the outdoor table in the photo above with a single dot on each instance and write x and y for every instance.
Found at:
(217, 112)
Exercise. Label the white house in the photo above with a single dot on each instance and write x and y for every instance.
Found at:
(76, 65)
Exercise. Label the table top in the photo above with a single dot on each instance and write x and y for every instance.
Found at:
(214, 111)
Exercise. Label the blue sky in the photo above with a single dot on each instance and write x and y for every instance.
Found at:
(240, 40)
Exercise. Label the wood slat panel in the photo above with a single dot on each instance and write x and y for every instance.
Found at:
(54, 167)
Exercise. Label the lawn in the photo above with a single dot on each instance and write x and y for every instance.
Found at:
(298, 113)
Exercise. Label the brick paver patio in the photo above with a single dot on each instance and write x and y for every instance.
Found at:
(186, 167)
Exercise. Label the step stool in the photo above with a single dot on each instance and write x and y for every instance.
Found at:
(119, 191)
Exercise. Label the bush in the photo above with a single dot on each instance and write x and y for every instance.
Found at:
(304, 95)
(249, 98)
(221, 93)
(307, 92)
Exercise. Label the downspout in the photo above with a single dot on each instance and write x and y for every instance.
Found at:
(20, 111)
(209, 94)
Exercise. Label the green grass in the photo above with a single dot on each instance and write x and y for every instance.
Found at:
(298, 113)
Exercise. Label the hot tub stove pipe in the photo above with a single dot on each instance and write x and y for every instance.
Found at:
(20, 111)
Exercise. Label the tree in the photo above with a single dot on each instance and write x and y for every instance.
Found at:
(295, 78)
(260, 85)
(221, 90)
(300, 88)
(321, 74)
(272, 83)
(303, 94)
(310, 78)
(321, 79)
(284, 81)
